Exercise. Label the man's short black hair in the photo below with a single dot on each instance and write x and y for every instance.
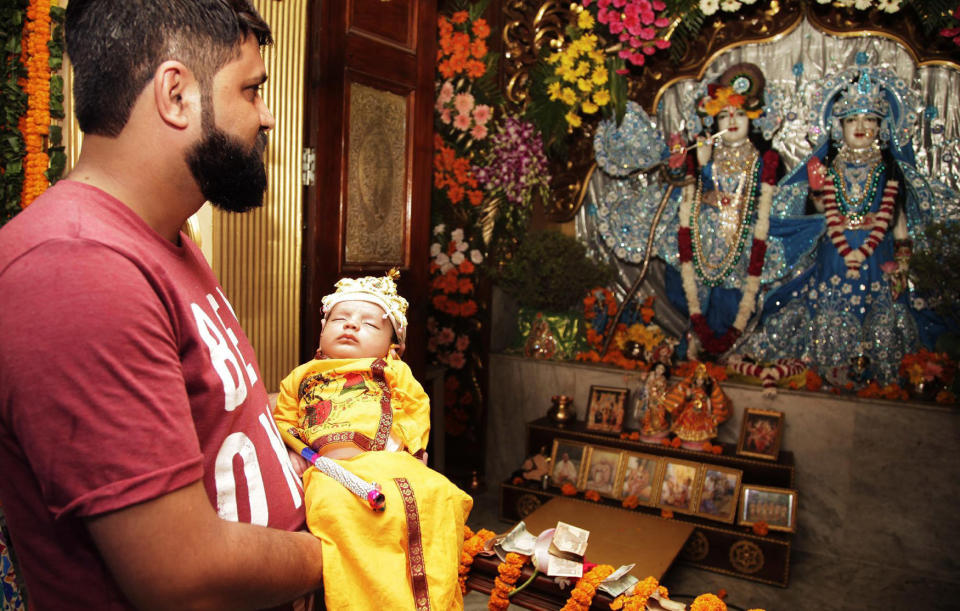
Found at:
(115, 47)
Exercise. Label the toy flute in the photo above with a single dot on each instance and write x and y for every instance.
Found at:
(368, 491)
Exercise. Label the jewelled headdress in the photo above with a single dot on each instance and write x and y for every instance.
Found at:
(740, 86)
(863, 96)
(380, 290)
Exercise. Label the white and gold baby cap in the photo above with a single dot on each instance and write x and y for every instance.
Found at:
(381, 290)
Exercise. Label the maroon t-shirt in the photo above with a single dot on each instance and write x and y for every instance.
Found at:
(124, 375)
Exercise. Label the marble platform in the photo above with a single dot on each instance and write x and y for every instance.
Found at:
(878, 481)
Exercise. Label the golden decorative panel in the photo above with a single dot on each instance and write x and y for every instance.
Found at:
(376, 215)
(256, 255)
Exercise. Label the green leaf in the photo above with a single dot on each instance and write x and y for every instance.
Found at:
(618, 88)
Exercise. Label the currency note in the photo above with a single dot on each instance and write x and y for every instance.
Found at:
(561, 567)
(616, 587)
(519, 540)
(569, 541)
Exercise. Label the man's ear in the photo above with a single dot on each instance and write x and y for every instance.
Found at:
(176, 93)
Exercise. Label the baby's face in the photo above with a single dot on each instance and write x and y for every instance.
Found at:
(356, 329)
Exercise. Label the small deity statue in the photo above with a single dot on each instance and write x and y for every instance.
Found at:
(650, 410)
(698, 405)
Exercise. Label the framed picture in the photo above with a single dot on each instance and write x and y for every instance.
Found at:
(600, 474)
(566, 462)
(775, 506)
(718, 492)
(760, 433)
(606, 409)
(639, 477)
(678, 486)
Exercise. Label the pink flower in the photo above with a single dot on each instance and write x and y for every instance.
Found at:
(658, 5)
(479, 132)
(446, 335)
(482, 114)
(463, 102)
(889, 267)
(462, 122)
(446, 93)
(462, 342)
(456, 360)
(445, 116)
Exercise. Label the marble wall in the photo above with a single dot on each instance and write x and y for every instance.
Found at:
(878, 481)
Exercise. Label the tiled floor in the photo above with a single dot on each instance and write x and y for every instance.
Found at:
(816, 582)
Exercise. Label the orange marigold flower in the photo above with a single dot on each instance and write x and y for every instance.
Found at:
(516, 481)
(721, 594)
(480, 28)
(676, 442)
(630, 502)
(666, 513)
(708, 602)
(568, 489)
(760, 528)
(459, 17)
(716, 449)
(635, 436)
(592, 495)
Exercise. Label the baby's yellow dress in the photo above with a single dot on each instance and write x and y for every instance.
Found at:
(408, 556)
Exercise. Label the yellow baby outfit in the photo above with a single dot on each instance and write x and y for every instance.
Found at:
(408, 556)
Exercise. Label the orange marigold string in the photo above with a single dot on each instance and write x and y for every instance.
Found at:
(666, 513)
(592, 495)
(36, 34)
(636, 599)
(708, 602)
(582, 595)
(473, 543)
(630, 502)
(760, 528)
(509, 571)
(568, 489)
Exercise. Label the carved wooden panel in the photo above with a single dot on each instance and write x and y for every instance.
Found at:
(392, 20)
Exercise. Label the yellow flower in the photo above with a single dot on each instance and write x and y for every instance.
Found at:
(583, 69)
(554, 90)
(584, 85)
(568, 96)
(589, 107)
(585, 20)
(600, 75)
(573, 119)
(601, 97)
(554, 57)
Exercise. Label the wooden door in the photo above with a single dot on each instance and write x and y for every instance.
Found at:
(369, 118)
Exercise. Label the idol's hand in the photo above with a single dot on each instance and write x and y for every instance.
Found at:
(815, 174)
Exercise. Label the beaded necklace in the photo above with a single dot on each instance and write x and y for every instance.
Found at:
(852, 207)
(713, 275)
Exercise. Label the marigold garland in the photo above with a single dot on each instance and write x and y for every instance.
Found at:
(586, 588)
(708, 602)
(36, 124)
(473, 544)
(636, 599)
(568, 489)
(631, 502)
(509, 571)
(592, 495)
(760, 528)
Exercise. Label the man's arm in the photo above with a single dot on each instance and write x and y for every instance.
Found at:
(174, 552)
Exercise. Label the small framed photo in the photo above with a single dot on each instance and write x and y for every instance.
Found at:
(606, 409)
(775, 506)
(566, 462)
(639, 477)
(760, 434)
(600, 475)
(718, 492)
(678, 486)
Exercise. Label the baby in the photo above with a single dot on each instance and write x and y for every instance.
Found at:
(358, 407)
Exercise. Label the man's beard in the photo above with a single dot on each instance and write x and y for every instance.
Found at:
(229, 175)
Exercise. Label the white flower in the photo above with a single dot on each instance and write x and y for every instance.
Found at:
(456, 235)
(476, 256)
(457, 258)
(843, 3)
(889, 6)
(435, 249)
(730, 6)
(462, 246)
(845, 289)
(855, 300)
(748, 1)
(862, 5)
(919, 303)
(444, 268)
(442, 259)
(709, 7)
(835, 280)
(439, 229)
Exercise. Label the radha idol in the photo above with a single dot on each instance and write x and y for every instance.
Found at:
(852, 301)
